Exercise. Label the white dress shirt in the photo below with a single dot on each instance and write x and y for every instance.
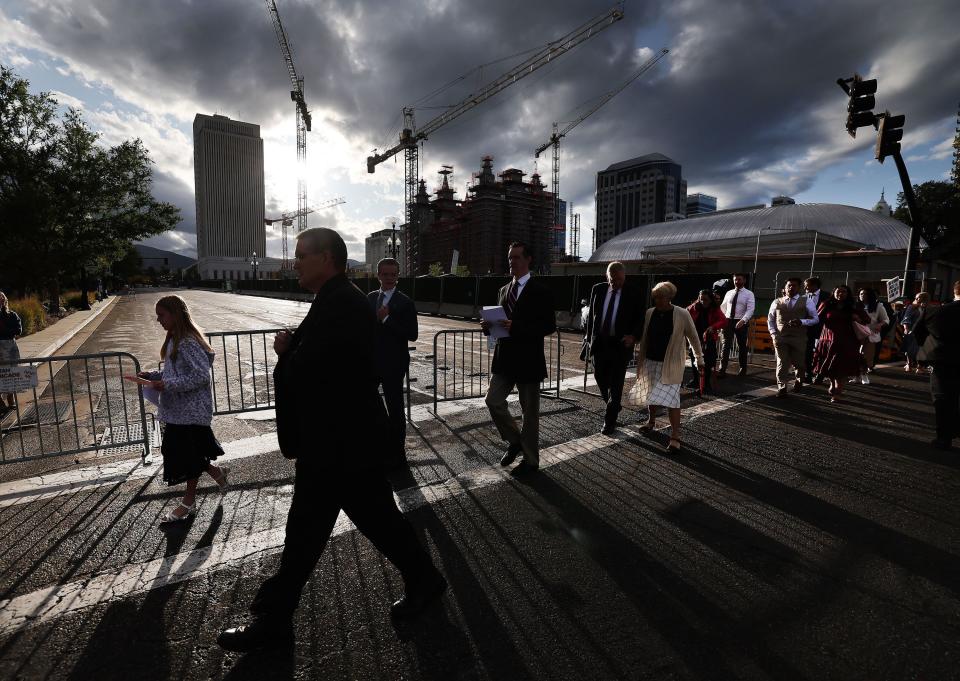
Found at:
(746, 304)
(616, 306)
(772, 315)
(387, 295)
(520, 283)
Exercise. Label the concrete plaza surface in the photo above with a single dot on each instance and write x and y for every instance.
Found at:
(792, 539)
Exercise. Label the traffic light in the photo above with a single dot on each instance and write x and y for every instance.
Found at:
(859, 109)
(889, 134)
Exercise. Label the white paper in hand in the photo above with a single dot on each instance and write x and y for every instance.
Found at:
(495, 314)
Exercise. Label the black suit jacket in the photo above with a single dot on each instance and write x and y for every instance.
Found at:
(629, 319)
(939, 335)
(329, 414)
(520, 357)
(394, 334)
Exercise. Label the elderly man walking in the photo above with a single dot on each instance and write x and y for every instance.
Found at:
(788, 320)
(614, 323)
(330, 418)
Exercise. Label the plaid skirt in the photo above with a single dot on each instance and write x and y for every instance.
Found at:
(187, 451)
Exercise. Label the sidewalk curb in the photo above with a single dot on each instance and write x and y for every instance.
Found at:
(52, 347)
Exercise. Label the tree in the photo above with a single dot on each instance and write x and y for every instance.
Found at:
(939, 205)
(28, 142)
(80, 202)
(436, 269)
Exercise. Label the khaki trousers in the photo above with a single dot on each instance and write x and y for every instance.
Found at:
(791, 350)
(529, 435)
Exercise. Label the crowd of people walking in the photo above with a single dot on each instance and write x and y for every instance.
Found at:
(345, 438)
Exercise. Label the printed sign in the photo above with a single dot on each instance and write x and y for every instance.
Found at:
(893, 288)
(13, 379)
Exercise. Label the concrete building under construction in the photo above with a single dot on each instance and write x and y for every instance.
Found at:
(497, 211)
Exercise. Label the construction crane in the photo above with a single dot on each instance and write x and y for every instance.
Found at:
(304, 119)
(557, 135)
(410, 136)
(286, 220)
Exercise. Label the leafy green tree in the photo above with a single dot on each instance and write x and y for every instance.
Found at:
(436, 270)
(80, 202)
(939, 205)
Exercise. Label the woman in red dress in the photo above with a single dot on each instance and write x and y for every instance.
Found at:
(838, 351)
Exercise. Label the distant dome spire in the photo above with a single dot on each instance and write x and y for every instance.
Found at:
(882, 206)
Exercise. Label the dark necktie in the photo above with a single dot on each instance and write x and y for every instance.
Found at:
(733, 307)
(511, 301)
(608, 316)
(380, 300)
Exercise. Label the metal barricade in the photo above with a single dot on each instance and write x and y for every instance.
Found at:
(461, 365)
(241, 378)
(71, 404)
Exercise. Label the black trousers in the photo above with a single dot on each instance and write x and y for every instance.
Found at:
(610, 361)
(945, 388)
(729, 333)
(393, 389)
(318, 497)
(709, 362)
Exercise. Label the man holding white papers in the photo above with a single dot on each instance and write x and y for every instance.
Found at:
(518, 359)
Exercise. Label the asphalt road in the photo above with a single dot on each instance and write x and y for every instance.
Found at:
(792, 539)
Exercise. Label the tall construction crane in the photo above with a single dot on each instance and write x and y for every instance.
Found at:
(410, 136)
(286, 220)
(304, 119)
(557, 135)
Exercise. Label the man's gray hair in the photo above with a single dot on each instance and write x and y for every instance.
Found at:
(616, 266)
(319, 239)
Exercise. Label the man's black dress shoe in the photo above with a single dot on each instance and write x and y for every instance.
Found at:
(416, 600)
(609, 428)
(742, 372)
(944, 445)
(511, 455)
(259, 633)
(525, 469)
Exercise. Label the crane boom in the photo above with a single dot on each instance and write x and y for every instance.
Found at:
(553, 50)
(304, 119)
(555, 138)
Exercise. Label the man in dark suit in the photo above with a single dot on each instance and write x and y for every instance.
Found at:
(817, 296)
(397, 317)
(614, 323)
(518, 359)
(939, 333)
(330, 418)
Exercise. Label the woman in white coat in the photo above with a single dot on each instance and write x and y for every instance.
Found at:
(667, 329)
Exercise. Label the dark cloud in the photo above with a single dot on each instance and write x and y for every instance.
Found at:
(748, 84)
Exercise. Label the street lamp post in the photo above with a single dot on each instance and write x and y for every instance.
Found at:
(254, 262)
(393, 248)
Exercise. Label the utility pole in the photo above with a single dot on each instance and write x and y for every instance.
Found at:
(889, 133)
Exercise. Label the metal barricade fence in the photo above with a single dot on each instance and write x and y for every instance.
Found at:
(72, 404)
(461, 365)
(241, 378)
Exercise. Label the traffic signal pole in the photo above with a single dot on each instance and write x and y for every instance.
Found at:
(913, 248)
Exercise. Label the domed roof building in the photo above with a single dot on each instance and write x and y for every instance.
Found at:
(735, 233)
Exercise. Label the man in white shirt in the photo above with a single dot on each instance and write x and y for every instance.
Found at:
(788, 320)
(738, 306)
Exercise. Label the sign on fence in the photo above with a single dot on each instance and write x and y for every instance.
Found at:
(893, 288)
(14, 379)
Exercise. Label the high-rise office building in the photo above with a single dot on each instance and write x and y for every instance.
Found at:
(700, 203)
(228, 180)
(637, 192)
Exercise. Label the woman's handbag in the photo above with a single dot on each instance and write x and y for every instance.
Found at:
(862, 331)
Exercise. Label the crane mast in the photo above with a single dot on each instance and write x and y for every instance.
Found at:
(410, 136)
(304, 119)
(286, 220)
(558, 134)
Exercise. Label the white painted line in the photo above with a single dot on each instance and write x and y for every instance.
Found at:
(56, 601)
